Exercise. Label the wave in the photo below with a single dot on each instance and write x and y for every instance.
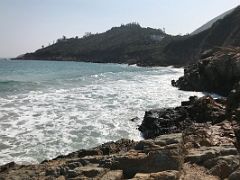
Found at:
(9, 86)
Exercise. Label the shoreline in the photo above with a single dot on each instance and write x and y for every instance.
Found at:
(187, 147)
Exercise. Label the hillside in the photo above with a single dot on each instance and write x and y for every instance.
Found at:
(133, 44)
(129, 43)
(211, 22)
(223, 33)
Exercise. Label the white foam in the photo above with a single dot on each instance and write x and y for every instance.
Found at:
(42, 124)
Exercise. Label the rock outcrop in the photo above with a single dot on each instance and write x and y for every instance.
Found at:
(217, 71)
(172, 120)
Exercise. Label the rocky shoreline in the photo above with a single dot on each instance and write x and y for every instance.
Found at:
(198, 140)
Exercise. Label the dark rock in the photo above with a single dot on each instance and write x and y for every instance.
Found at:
(235, 175)
(7, 166)
(172, 120)
(135, 119)
(115, 147)
(233, 103)
(217, 72)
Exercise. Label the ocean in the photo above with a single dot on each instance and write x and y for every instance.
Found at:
(48, 108)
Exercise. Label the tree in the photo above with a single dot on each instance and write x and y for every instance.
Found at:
(87, 34)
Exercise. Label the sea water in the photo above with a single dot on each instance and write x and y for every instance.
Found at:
(48, 108)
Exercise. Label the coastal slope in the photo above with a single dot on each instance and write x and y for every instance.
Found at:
(133, 44)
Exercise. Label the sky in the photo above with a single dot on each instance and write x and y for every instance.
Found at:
(26, 25)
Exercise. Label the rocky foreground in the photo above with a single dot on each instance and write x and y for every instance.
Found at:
(198, 140)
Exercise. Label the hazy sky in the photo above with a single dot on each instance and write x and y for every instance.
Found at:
(25, 25)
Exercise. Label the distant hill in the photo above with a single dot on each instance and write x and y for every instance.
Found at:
(133, 44)
(210, 23)
(128, 43)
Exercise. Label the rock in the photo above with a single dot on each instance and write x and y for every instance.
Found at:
(172, 120)
(211, 147)
(164, 175)
(235, 175)
(113, 175)
(149, 156)
(113, 160)
(192, 171)
(135, 119)
(217, 72)
(233, 103)
(7, 166)
(199, 135)
(115, 147)
(202, 148)
(223, 168)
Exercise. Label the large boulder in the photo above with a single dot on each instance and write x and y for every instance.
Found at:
(172, 120)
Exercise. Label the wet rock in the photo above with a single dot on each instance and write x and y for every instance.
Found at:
(172, 120)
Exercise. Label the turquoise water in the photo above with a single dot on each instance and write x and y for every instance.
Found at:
(51, 108)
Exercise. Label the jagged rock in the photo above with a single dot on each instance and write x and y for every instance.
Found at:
(172, 120)
(218, 71)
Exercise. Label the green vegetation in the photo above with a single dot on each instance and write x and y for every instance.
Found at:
(128, 43)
